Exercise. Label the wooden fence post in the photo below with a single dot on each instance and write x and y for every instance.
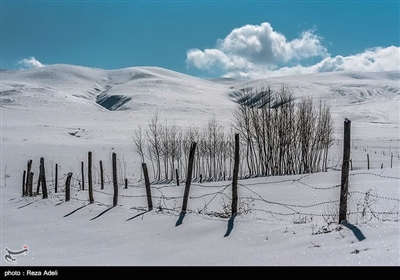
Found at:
(368, 160)
(23, 184)
(188, 177)
(30, 183)
(101, 175)
(56, 180)
(43, 178)
(28, 171)
(67, 187)
(38, 183)
(115, 183)
(345, 172)
(177, 177)
(147, 183)
(235, 176)
(83, 176)
(391, 161)
(91, 199)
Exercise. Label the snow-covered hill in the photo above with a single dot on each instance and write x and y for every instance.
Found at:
(106, 105)
(58, 101)
(144, 89)
(140, 89)
(60, 112)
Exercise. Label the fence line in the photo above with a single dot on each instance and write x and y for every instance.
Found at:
(76, 184)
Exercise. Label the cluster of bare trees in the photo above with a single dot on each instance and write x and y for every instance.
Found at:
(278, 136)
(282, 136)
(167, 147)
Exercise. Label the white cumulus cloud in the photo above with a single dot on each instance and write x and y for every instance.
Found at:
(371, 60)
(257, 51)
(251, 46)
(30, 62)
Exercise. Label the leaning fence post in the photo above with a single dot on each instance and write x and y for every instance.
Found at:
(83, 176)
(56, 180)
(177, 177)
(101, 175)
(43, 177)
(147, 183)
(235, 176)
(67, 186)
(188, 177)
(115, 183)
(91, 199)
(345, 172)
(23, 183)
(38, 183)
(30, 182)
(28, 171)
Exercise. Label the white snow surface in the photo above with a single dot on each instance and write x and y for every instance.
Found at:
(51, 112)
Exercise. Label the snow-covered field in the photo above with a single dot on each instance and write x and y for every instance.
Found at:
(55, 112)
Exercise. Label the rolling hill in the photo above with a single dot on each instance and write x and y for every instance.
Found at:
(60, 112)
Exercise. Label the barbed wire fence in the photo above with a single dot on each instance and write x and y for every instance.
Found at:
(217, 198)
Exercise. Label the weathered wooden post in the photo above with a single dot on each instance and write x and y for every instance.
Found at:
(177, 177)
(83, 176)
(368, 161)
(67, 187)
(56, 180)
(391, 161)
(235, 176)
(38, 183)
(23, 184)
(38, 180)
(101, 175)
(43, 178)
(30, 183)
(91, 199)
(188, 177)
(147, 183)
(28, 171)
(345, 172)
(115, 183)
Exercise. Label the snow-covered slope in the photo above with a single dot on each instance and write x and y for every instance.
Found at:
(74, 105)
(371, 100)
(61, 112)
(134, 88)
(144, 88)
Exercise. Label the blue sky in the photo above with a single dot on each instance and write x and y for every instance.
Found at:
(249, 39)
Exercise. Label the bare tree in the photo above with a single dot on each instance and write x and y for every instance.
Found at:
(279, 137)
(138, 145)
(165, 149)
(154, 140)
